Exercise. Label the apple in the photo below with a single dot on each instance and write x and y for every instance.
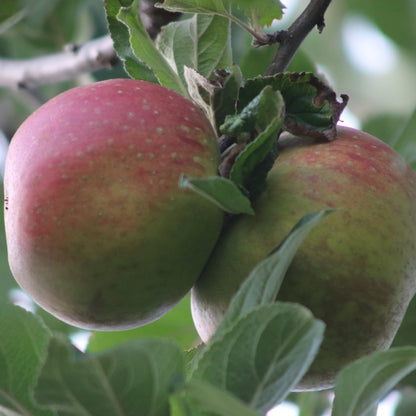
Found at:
(99, 233)
(356, 270)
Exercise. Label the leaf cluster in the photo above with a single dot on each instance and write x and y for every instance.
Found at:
(256, 357)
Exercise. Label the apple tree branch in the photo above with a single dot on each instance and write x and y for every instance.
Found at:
(289, 40)
(58, 67)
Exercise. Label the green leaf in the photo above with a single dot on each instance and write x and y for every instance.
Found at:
(226, 96)
(132, 379)
(201, 91)
(145, 50)
(195, 6)
(206, 396)
(406, 336)
(263, 355)
(311, 106)
(258, 13)
(23, 348)
(261, 13)
(256, 116)
(265, 115)
(262, 285)
(121, 38)
(202, 42)
(361, 385)
(10, 11)
(220, 191)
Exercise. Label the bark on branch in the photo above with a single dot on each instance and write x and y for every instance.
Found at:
(75, 60)
(291, 39)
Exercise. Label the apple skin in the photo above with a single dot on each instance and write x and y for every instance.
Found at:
(98, 231)
(356, 270)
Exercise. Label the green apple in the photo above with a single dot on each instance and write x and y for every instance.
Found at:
(356, 270)
(99, 233)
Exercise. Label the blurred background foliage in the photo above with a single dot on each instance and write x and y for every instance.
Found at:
(367, 50)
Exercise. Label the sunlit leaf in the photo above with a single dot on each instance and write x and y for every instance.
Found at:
(145, 50)
(362, 384)
(131, 379)
(201, 42)
(263, 283)
(221, 191)
(263, 354)
(23, 348)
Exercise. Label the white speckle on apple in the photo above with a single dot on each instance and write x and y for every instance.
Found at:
(80, 153)
(152, 155)
(148, 141)
(110, 142)
(139, 155)
(173, 155)
(130, 114)
(125, 127)
(184, 128)
(159, 130)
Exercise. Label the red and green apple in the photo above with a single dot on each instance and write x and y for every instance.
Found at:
(98, 231)
(356, 270)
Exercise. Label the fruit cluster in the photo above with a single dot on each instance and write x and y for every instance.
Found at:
(100, 234)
